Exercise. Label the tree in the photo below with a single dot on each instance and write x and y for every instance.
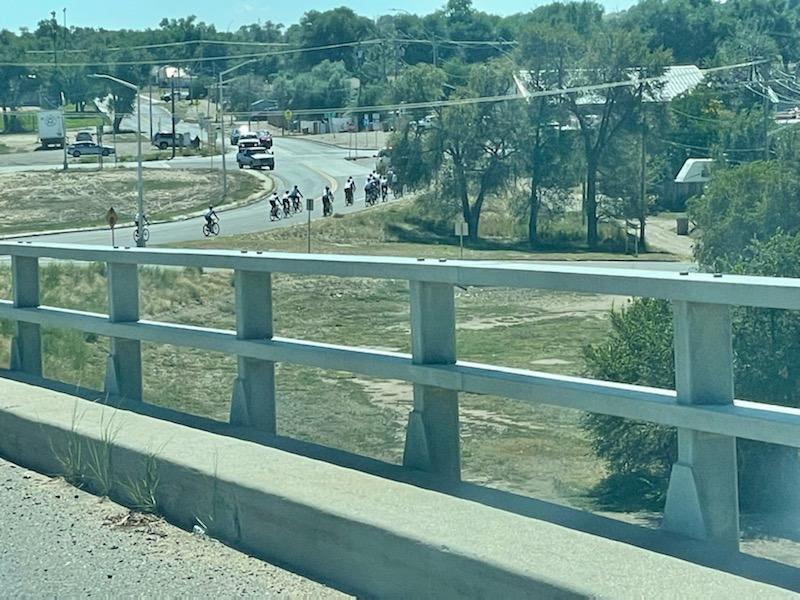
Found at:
(750, 202)
(611, 55)
(765, 342)
(545, 148)
(330, 28)
(478, 141)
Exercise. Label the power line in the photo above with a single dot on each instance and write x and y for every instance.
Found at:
(440, 42)
(198, 59)
(164, 45)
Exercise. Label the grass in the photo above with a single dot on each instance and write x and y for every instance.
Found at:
(395, 230)
(522, 447)
(70, 199)
(87, 122)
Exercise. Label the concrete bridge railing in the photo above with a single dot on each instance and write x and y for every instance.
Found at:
(702, 499)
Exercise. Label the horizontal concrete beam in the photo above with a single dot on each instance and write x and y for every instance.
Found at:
(737, 290)
(750, 420)
(366, 534)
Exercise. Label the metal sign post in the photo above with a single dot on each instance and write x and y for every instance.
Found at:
(111, 219)
(462, 229)
(309, 210)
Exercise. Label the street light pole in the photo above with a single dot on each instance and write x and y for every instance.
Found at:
(222, 122)
(140, 183)
(222, 133)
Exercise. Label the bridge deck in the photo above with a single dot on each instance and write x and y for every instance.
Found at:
(367, 533)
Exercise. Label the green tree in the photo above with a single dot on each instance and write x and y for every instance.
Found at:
(610, 55)
(545, 148)
(478, 141)
(766, 345)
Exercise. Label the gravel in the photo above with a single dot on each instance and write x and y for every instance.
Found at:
(57, 541)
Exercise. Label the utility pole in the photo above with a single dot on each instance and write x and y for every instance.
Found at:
(435, 51)
(150, 91)
(172, 94)
(643, 180)
(54, 23)
(765, 107)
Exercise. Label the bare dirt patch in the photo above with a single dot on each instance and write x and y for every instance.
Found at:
(35, 201)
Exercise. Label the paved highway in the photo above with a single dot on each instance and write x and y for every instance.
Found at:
(310, 165)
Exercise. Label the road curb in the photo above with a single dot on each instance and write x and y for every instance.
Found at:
(251, 199)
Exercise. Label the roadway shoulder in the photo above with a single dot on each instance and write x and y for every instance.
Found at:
(368, 534)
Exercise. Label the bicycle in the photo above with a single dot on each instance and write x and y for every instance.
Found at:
(275, 213)
(296, 207)
(212, 229)
(145, 234)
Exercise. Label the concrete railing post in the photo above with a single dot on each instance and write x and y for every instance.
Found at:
(124, 363)
(702, 500)
(432, 438)
(26, 347)
(253, 402)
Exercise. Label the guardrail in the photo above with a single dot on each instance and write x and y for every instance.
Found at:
(702, 500)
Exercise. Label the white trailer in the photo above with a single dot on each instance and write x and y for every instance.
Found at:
(51, 128)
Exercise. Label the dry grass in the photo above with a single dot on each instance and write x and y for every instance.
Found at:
(530, 449)
(34, 201)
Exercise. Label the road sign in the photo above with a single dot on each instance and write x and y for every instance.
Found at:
(310, 204)
(462, 229)
(287, 114)
(111, 217)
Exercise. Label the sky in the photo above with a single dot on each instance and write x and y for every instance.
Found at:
(225, 14)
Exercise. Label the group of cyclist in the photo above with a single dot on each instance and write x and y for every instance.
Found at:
(376, 187)
(286, 205)
(291, 202)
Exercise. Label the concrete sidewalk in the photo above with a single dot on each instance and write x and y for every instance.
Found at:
(367, 533)
(58, 541)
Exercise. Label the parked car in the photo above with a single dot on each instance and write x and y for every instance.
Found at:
(427, 122)
(265, 138)
(163, 140)
(88, 149)
(179, 95)
(254, 156)
(84, 136)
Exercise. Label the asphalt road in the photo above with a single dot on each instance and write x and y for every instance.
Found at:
(60, 542)
(310, 165)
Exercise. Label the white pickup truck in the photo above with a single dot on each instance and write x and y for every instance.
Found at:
(252, 154)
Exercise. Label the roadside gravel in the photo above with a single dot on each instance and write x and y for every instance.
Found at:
(59, 542)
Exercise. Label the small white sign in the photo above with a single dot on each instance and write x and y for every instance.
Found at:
(462, 228)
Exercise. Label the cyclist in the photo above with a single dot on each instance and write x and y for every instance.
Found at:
(136, 220)
(287, 203)
(384, 189)
(327, 202)
(211, 217)
(273, 203)
(349, 190)
(295, 194)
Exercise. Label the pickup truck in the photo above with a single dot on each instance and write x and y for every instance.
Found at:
(255, 157)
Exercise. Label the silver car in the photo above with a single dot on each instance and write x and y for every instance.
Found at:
(88, 149)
